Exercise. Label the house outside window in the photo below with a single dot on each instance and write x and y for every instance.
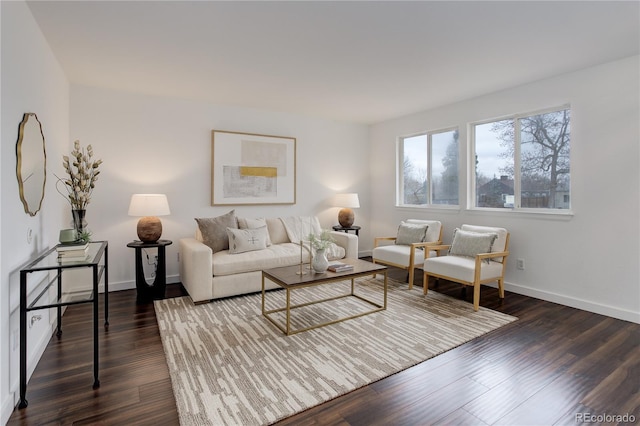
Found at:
(428, 169)
(523, 162)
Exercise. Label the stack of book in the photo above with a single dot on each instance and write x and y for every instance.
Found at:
(340, 267)
(72, 252)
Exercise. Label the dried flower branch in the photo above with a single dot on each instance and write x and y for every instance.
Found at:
(83, 173)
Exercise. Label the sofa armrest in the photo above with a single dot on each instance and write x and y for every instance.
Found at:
(196, 269)
(349, 242)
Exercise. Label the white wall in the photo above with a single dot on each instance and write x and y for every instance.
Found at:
(588, 260)
(161, 145)
(32, 81)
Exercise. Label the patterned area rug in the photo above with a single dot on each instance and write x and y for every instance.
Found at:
(230, 366)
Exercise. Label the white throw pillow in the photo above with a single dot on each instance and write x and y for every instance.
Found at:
(246, 223)
(243, 240)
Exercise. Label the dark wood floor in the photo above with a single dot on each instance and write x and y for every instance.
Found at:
(553, 364)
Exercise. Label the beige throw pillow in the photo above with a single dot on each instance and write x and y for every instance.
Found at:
(214, 230)
(468, 243)
(409, 233)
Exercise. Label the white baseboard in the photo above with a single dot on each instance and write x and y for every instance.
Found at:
(585, 305)
(131, 285)
(32, 362)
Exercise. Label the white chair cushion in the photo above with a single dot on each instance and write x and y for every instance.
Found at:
(462, 268)
(398, 254)
(499, 243)
(433, 232)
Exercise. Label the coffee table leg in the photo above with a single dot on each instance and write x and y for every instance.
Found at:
(385, 289)
(352, 286)
(288, 312)
(263, 294)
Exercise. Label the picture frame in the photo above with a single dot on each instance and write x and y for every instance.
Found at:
(252, 169)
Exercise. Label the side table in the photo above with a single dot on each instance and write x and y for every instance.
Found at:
(147, 292)
(347, 229)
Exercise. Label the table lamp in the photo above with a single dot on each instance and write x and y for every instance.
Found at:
(150, 206)
(347, 202)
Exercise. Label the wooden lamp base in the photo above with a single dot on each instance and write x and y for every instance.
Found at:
(346, 218)
(149, 229)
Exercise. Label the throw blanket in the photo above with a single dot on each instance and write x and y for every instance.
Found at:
(299, 227)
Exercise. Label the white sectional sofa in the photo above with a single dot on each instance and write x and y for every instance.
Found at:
(208, 275)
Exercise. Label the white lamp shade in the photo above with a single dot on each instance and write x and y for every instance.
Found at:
(349, 200)
(149, 205)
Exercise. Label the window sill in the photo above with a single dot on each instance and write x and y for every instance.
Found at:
(432, 207)
(532, 213)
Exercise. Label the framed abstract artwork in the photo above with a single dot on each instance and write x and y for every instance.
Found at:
(248, 168)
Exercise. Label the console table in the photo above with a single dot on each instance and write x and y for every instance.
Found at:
(97, 260)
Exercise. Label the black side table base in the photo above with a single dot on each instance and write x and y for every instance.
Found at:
(149, 292)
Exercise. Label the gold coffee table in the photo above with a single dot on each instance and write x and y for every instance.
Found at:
(289, 278)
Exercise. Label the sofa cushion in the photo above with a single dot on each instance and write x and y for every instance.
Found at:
(214, 230)
(277, 231)
(286, 254)
(246, 223)
(243, 240)
(409, 233)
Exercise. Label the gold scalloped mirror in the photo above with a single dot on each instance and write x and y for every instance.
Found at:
(32, 163)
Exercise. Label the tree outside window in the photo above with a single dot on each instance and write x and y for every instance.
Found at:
(523, 162)
(429, 171)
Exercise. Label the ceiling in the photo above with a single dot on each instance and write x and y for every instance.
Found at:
(360, 61)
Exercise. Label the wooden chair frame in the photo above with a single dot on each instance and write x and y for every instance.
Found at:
(412, 254)
(476, 278)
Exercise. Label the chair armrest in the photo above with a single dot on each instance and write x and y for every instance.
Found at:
(349, 242)
(437, 247)
(424, 245)
(377, 240)
(196, 269)
(492, 255)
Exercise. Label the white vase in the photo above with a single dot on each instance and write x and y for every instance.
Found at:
(320, 262)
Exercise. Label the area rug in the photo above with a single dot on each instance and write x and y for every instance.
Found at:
(230, 366)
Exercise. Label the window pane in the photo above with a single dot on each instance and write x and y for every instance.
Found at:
(544, 160)
(414, 170)
(444, 167)
(494, 145)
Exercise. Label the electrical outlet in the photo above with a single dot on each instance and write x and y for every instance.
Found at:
(520, 264)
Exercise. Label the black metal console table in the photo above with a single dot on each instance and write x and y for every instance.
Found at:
(97, 260)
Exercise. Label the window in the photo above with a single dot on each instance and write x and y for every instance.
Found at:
(523, 162)
(428, 172)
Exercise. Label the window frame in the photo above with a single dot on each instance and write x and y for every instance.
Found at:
(517, 184)
(400, 149)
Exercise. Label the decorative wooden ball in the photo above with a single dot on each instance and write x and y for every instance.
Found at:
(149, 229)
(346, 218)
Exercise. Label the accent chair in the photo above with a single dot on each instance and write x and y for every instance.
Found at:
(407, 250)
(477, 255)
